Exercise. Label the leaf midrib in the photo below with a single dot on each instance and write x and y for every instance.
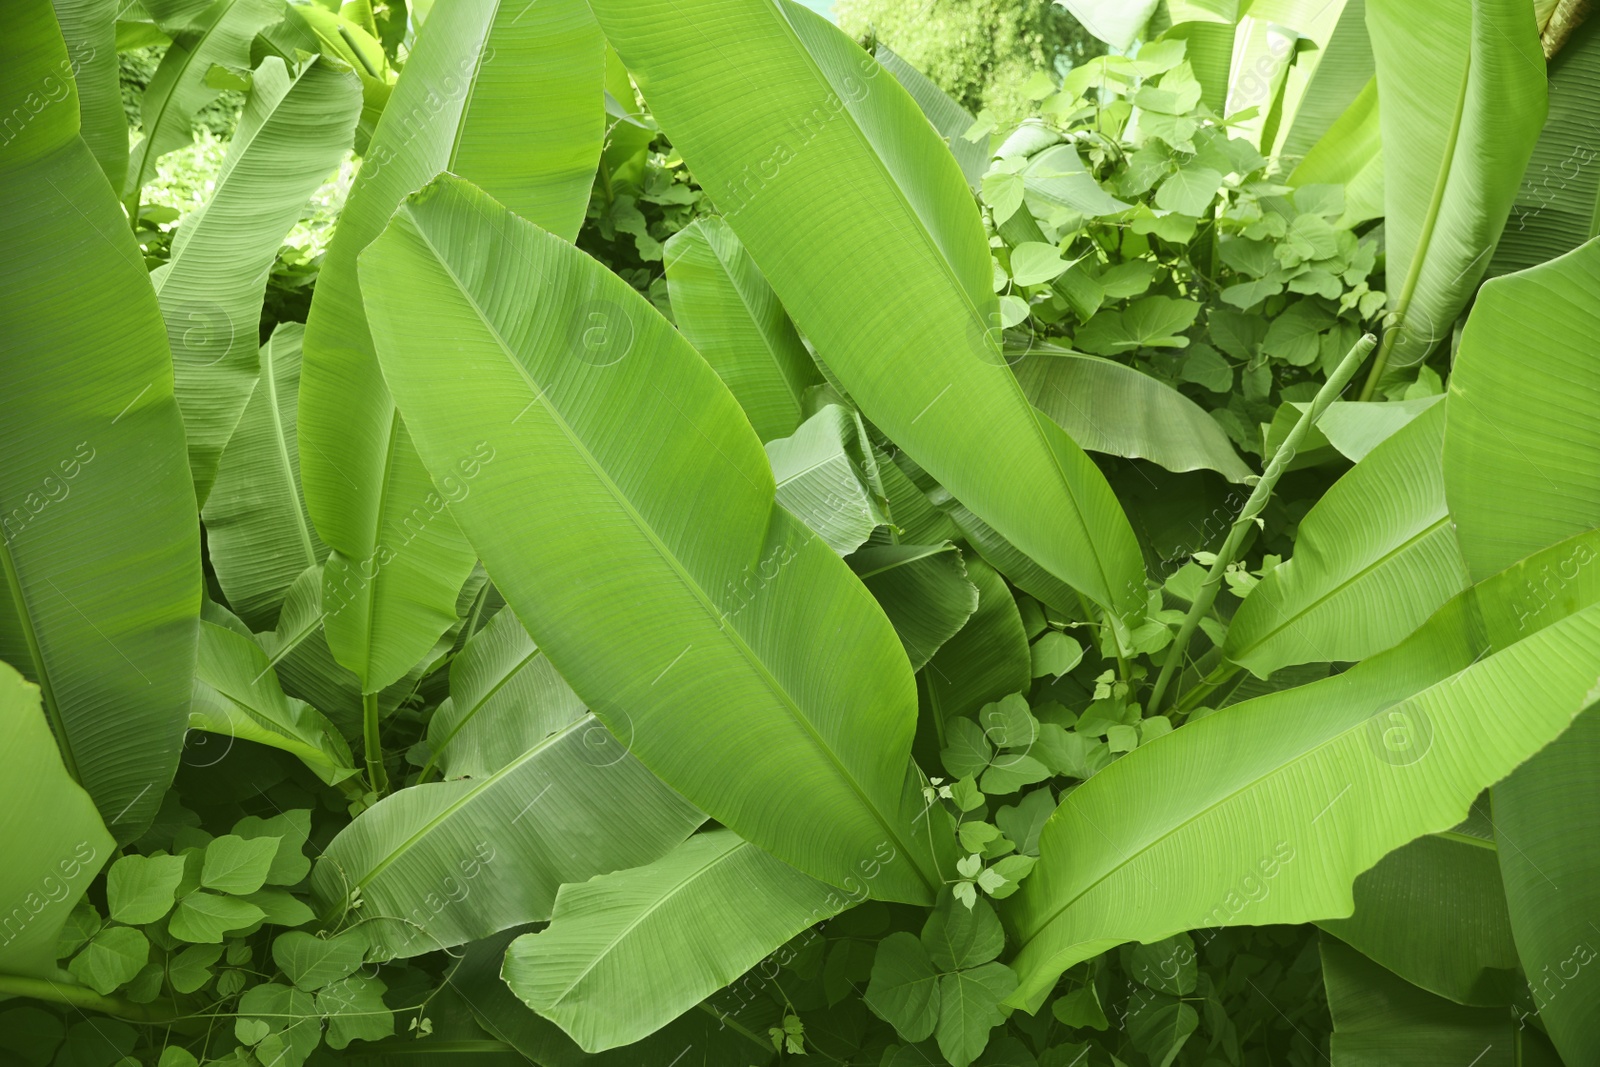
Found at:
(757, 667)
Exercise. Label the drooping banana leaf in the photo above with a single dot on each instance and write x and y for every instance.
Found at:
(1106, 406)
(1546, 818)
(49, 861)
(89, 28)
(441, 864)
(891, 280)
(1463, 87)
(1558, 203)
(101, 598)
(1373, 559)
(1380, 1020)
(237, 695)
(732, 317)
(465, 105)
(1521, 447)
(1355, 428)
(1350, 154)
(950, 119)
(1302, 790)
(924, 591)
(692, 632)
(504, 698)
(258, 534)
(627, 953)
(987, 659)
(1434, 913)
(217, 35)
(295, 128)
(818, 472)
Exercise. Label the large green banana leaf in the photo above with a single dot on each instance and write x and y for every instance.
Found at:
(1266, 811)
(101, 599)
(1116, 22)
(1547, 823)
(294, 130)
(1350, 154)
(987, 659)
(1463, 87)
(1106, 406)
(1434, 913)
(89, 28)
(219, 34)
(237, 695)
(692, 631)
(1521, 448)
(949, 119)
(924, 591)
(857, 213)
(1558, 204)
(50, 861)
(509, 95)
(438, 865)
(819, 479)
(1324, 81)
(1380, 1020)
(504, 698)
(258, 535)
(1373, 559)
(627, 953)
(732, 317)
(343, 39)
(1021, 571)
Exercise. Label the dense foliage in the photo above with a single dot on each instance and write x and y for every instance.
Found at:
(642, 533)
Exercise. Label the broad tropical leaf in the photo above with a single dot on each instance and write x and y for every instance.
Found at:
(49, 862)
(505, 697)
(1342, 770)
(398, 558)
(258, 534)
(101, 599)
(818, 472)
(924, 591)
(1325, 80)
(1463, 87)
(987, 659)
(949, 119)
(732, 317)
(1350, 154)
(89, 28)
(438, 865)
(343, 39)
(294, 130)
(1106, 406)
(203, 36)
(1521, 414)
(1545, 818)
(892, 281)
(236, 695)
(626, 953)
(1434, 913)
(1116, 22)
(694, 641)
(1379, 1019)
(1373, 559)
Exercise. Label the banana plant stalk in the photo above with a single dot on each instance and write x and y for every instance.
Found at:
(1207, 594)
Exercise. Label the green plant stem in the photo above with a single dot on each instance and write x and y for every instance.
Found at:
(80, 997)
(1206, 686)
(1207, 593)
(377, 777)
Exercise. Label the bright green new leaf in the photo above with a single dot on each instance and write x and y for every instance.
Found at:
(462, 105)
(505, 697)
(49, 862)
(1106, 406)
(726, 309)
(669, 627)
(1352, 766)
(100, 597)
(1116, 22)
(205, 918)
(627, 953)
(924, 591)
(312, 962)
(1463, 87)
(238, 865)
(258, 534)
(1521, 426)
(111, 959)
(294, 130)
(891, 280)
(438, 865)
(1373, 559)
(141, 889)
